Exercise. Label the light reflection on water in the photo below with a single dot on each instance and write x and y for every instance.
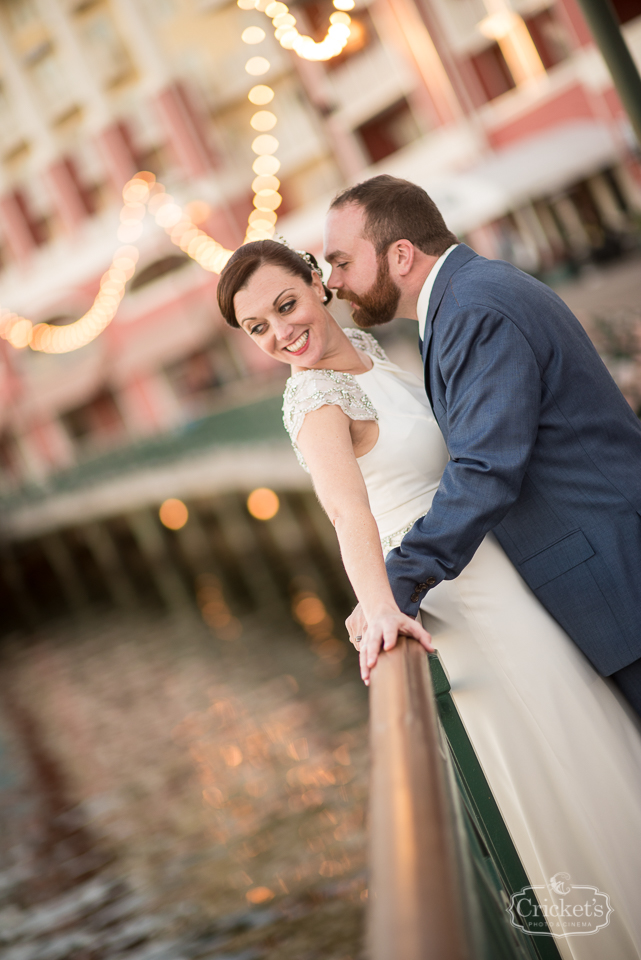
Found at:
(220, 777)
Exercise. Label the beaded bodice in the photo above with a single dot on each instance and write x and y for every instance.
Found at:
(310, 389)
(403, 469)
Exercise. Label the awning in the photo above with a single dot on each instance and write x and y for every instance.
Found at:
(498, 182)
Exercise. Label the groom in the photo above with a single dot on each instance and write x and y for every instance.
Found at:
(544, 449)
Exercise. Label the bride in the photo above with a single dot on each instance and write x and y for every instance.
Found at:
(561, 750)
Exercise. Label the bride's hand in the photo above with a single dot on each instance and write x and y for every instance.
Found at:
(356, 625)
(382, 631)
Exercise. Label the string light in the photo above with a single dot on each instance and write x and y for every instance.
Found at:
(141, 194)
(252, 35)
(287, 34)
(262, 220)
(266, 165)
(49, 338)
(257, 66)
(260, 95)
(263, 120)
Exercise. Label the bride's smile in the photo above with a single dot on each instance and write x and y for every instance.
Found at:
(287, 318)
(300, 345)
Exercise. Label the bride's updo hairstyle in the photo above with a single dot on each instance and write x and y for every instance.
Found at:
(244, 263)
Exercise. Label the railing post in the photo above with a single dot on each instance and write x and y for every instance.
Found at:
(417, 898)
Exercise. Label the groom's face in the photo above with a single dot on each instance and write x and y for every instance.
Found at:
(359, 275)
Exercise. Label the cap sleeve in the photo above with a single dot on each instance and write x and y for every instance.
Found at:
(365, 342)
(311, 389)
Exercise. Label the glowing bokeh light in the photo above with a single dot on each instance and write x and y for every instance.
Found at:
(276, 9)
(263, 503)
(216, 613)
(253, 35)
(310, 610)
(263, 120)
(259, 895)
(267, 201)
(265, 183)
(270, 216)
(20, 333)
(173, 514)
(288, 38)
(136, 190)
(284, 20)
(265, 144)
(197, 211)
(259, 227)
(266, 165)
(256, 66)
(260, 95)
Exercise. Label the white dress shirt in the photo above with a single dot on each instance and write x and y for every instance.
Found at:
(424, 296)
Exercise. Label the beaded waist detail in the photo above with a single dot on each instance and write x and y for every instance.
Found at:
(394, 539)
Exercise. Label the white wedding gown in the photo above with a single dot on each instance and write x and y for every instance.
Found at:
(559, 746)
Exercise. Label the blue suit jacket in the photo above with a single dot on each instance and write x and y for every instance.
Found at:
(544, 451)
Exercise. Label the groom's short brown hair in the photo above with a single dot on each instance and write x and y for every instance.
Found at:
(398, 210)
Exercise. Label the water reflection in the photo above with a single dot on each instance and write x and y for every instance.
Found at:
(174, 794)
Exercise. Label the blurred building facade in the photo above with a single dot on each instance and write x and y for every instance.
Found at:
(506, 114)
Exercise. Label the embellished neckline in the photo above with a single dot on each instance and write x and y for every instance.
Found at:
(364, 342)
(343, 373)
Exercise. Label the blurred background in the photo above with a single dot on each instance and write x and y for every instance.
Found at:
(183, 755)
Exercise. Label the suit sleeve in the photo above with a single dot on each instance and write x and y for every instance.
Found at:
(493, 397)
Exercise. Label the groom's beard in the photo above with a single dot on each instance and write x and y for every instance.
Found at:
(380, 303)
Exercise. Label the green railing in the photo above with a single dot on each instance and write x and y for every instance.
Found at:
(443, 864)
(249, 423)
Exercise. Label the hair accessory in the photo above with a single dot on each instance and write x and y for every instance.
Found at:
(304, 255)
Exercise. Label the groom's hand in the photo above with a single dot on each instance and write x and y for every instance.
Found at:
(382, 632)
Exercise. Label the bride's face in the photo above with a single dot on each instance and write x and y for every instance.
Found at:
(284, 315)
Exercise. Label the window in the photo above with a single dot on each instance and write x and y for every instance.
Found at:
(550, 37)
(51, 82)
(97, 422)
(389, 131)
(10, 133)
(109, 56)
(627, 9)
(39, 225)
(159, 268)
(492, 72)
(21, 13)
(10, 468)
(198, 376)
(319, 177)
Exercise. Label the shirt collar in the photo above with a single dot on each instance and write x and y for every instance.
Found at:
(426, 290)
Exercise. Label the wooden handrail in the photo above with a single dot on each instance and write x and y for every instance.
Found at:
(417, 907)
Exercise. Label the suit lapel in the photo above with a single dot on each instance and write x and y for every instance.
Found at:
(456, 259)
